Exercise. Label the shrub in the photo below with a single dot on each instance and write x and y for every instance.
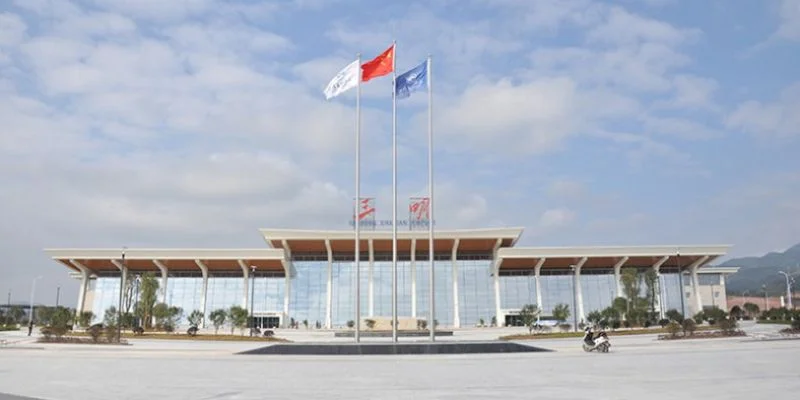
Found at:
(350, 324)
(95, 331)
(369, 322)
(673, 328)
(663, 322)
(422, 324)
(564, 327)
(728, 326)
(111, 333)
(647, 323)
(689, 326)
(675, 315)
(615, 324)
(796, 324)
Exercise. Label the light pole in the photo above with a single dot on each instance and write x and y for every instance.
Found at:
(788, 290)
(680, 283)
(58, 295)
(252, 297)
(766, 303)
(30, 317)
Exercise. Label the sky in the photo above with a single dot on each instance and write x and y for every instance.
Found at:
(193, 123)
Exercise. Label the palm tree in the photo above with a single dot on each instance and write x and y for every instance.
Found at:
(238, 317)
(218, 318)
(528, 314)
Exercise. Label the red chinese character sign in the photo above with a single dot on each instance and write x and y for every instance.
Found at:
(365, 209)
(419, 212)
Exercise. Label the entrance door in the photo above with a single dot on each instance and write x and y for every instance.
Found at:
(271, 322)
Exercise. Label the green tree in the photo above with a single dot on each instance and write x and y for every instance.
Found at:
(195, 318)
(561, 312)
(752, 309)
(148, 291)
(15, 314)
(60, 320)
(529, 315)
(238, 317)
(674, 315)
(595, 317)
(85, 319)
(44, 315)
(166, 317)
(651, 284)
(631, 287)
(737, 312)
(218, 318)
(110, 316)
(673, 327)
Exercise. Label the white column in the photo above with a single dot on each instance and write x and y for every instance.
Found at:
(497, 312)
(329, 295)
(204, 294)
(495, 271)
(122, 270)
(371, 278)
(578, 291)
(164, 277)
(85, 275)
(657, 297)
(456, 316)
(246, 276)
(537, 273)
(618, 275)
(414, 278)
(287, 267)
(696, 283)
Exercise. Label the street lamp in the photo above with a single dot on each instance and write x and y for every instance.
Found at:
(788, 290)
(30, 317)
(766, 303)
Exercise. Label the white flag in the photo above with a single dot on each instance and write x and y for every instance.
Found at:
(345, 80)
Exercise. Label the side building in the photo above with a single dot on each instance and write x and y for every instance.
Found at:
(480, 276)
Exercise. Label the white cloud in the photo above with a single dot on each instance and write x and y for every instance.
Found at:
(12, 29)
(556, 218)
(692, 93)
(780, 118)
(789, 14)
(530, 117)
(566, 189)
(679, 128)
(624, 28)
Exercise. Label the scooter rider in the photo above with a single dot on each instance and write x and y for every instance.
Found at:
(589, 336)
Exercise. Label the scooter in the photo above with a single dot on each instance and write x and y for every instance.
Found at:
(599, 342)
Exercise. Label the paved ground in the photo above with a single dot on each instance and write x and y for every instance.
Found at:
(639, 367)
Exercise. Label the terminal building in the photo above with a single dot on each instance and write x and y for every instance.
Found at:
(481, 276)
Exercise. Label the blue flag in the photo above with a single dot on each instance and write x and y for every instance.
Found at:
(412, 80)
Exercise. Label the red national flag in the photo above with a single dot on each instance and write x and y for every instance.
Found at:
(379, 66)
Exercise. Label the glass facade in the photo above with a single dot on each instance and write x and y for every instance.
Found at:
(472, 272)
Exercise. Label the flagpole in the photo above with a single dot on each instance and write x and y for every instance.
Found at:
(432, 326)
(357, 209)
(394, 191)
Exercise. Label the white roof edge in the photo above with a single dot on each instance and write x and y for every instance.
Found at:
(613, 251)
(717, 270)
(305, 234)
(166, 254)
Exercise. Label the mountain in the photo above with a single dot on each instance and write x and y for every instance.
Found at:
(754, 272)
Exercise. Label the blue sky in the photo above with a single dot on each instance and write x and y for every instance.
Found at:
(196, 122)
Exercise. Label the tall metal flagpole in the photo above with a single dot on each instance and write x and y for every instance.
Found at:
(432, 302)
(357, 209)
(394, 191)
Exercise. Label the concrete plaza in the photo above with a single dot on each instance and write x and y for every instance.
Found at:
(639, 367)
